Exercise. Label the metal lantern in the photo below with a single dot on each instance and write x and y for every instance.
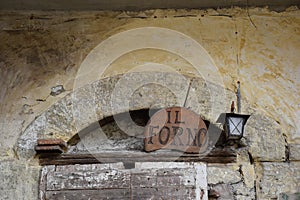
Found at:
(234, 125)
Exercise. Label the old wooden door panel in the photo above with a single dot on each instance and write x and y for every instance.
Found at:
(166, 180)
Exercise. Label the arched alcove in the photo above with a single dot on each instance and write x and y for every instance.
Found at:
(119, 138)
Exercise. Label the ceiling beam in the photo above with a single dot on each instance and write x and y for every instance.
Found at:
(135, 5)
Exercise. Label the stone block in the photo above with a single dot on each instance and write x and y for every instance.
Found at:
(18, 180)
(265, 139)
(275, 178)
(207, 99)
(60, 120)
(84, 105)
(102, 94)
(230, 180)
(138, 90)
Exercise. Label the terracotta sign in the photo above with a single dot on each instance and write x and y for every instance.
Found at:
(178, 129)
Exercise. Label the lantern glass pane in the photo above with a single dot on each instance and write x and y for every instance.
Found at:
(235, 125)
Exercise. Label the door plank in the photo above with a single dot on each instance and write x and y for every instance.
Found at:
(111, 194)
(74, 180)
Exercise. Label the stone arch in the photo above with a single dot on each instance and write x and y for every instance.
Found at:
(92, 103)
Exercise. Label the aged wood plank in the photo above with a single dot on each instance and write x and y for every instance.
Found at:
(60, 161)
(101, 179)
(50, 142)
(89, 167)
(163, 193)
(124, 194)
(92, 160)
(111, 194)
(143, 178)
(215, 156)
(225, 152)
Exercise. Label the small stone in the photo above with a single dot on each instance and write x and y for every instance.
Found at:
(294, 152)
(56, 90)
(26, 109)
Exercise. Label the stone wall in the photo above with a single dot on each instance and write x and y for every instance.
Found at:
(212, 49)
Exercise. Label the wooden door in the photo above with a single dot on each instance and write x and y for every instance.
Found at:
(146, 180)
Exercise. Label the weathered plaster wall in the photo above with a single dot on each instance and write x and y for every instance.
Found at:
(258, 47)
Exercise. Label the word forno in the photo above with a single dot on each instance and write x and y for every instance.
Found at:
(182, 130)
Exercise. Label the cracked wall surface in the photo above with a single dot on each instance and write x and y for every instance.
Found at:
(42, 52)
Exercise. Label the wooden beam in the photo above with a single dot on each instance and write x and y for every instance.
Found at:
(215, 156)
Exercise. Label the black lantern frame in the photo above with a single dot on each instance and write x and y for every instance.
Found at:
(234, 125)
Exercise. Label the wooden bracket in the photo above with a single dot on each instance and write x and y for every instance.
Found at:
(50, 146)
